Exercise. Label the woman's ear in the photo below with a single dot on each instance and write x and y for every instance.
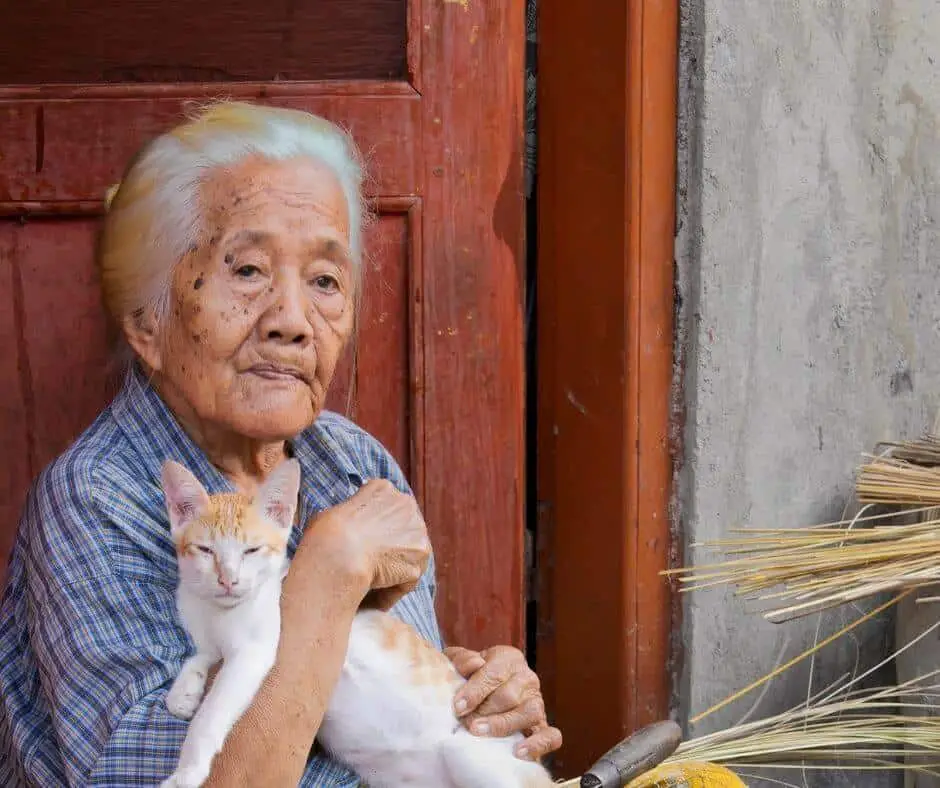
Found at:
(140, 330)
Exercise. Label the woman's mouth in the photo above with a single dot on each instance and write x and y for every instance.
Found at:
(277, 372)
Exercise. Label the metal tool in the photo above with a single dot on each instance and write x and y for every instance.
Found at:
(639, 753)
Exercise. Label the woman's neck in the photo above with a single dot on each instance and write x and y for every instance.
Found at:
(243, 460)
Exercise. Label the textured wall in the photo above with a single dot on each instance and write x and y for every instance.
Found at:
(807, 263)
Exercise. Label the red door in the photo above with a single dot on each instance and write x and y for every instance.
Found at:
(431, 90)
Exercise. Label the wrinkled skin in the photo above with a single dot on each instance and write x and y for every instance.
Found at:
(262, 308)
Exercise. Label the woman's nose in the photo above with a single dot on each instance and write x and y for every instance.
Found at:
(286, 320)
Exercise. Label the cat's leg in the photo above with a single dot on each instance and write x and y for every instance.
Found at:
(186, 692)
(229, 697)
(476, 762)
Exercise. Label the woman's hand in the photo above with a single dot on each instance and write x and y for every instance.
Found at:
(502, 696)
(378, 537)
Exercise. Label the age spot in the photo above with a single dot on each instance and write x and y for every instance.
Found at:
(229, 259)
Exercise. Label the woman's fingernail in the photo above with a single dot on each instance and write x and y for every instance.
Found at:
(461, 706)
(523, 752)
(481, 728)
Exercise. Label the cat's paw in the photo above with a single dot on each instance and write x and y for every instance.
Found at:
(187, 777)
(185, 695)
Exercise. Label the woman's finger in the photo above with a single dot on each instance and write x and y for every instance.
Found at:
(466, 661)
(540, 743)
(493, 674)
(528, 715)
(512, 693)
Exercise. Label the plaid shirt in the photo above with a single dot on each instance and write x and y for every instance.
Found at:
(89, 636)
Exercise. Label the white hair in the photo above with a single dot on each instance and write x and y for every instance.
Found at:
(154, 214)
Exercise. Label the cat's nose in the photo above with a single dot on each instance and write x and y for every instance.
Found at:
(228, 583)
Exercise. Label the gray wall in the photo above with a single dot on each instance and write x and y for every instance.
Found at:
(807, 261)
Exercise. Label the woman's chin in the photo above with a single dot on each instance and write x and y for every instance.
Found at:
(274, 418)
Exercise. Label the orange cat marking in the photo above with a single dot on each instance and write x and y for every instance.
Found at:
(232, 515)
(429, 667)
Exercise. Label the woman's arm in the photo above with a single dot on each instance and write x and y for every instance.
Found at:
(274, 736)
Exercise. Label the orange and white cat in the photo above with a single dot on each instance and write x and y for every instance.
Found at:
(232, 557)
(390, 717)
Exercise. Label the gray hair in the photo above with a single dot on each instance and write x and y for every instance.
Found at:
(154, 214)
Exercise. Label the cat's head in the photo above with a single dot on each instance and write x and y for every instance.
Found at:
(227, 544)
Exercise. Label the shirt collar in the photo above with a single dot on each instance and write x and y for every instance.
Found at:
(155, 433)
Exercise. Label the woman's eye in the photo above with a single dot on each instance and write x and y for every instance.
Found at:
(247, 271)
(252, 550)
(203, 549)
(326, 282)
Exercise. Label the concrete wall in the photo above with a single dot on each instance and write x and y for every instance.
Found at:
(807, 260)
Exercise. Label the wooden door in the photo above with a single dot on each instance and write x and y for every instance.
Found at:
(431, 90)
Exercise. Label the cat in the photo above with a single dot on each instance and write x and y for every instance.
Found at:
(391, 715)
(232, 557)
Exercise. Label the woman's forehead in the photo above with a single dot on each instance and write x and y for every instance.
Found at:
(258, 198)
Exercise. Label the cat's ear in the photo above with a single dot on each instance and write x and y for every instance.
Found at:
(186, 499)
(277, 497)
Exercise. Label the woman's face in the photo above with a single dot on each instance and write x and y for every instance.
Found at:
(262, 306)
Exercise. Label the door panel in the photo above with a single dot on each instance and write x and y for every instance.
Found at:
(107, 41)
(63, 150)
(62, 330)
(432, 93)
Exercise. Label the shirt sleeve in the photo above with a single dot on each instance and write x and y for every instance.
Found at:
(107, 653)
(107, 646)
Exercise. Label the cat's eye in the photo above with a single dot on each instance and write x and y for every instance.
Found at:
(203, 549)
(251, 550)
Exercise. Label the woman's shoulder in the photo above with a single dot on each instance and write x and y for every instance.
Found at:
(72, 476)
(76, 495)
(355, 450)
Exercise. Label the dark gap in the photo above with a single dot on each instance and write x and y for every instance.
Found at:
(531, 333)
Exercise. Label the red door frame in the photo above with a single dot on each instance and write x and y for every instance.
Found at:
(606, 201)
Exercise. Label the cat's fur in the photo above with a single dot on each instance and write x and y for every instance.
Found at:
(390, 717)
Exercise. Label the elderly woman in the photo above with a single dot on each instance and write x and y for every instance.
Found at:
(230, 258)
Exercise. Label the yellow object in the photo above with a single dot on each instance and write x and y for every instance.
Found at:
(688, 775)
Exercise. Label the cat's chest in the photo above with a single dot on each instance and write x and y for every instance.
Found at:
(225, 631)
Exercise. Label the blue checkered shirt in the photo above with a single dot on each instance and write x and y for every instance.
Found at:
(89, 636)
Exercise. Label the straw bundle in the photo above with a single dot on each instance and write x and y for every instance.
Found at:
(862, 730)
(907, 474)
(842, 727)
(816, 568)
(798, 571)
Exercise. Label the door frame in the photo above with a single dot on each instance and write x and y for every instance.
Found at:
(606, 212)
